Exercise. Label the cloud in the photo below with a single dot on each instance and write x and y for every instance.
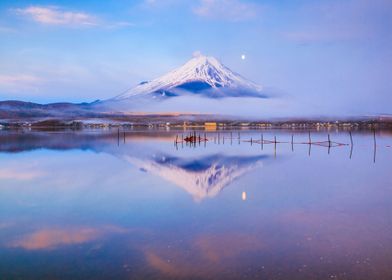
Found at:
(319, 36)
(231, 10)
(21, 172)
(52, 15)
(337, 21)
(20, 82)
(52, 238)
(213, 254)
(18, 78)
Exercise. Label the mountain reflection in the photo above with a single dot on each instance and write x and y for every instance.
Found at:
(201, 177)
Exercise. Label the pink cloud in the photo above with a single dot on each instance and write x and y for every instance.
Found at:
(55, 16)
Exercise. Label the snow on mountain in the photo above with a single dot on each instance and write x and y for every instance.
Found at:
(201, 177)
(203, 75)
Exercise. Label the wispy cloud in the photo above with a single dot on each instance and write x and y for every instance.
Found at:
(52, 15)
(25, 173)
(320, 36)
(19, 82)
(18, 78)
(337, 21)
(52, 238)
(58, 16)
(231, 10)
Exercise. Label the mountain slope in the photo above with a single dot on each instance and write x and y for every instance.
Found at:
(13, 109)
(201, 75)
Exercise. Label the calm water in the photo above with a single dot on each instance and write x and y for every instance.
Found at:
(90, 205)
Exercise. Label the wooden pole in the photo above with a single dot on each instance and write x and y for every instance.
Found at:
(351, 139)
(375, 146)
(275, 146)
(118, 136)
(262, 141)
(292, 142)
(351, 151)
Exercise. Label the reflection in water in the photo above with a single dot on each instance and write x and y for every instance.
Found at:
(89, 207)
(51, 238)
(201, 177)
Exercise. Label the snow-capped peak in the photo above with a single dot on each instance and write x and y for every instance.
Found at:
(203, 70)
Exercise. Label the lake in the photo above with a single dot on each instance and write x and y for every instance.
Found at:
(99, 204)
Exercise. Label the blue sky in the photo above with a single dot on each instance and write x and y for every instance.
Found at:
(332, 54)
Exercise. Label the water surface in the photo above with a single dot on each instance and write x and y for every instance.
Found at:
(98, 204)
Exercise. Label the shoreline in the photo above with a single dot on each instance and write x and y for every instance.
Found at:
(208, 124)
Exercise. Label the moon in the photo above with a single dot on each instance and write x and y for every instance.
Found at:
(243, 57)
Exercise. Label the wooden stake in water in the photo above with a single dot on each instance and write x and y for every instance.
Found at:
(262, 141)
(118, 136)
(292, 142)
(351, 139)
(352, 145)
(275, 146)
(375, 146)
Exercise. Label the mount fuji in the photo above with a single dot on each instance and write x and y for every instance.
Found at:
(198, 86)
(202, 75)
